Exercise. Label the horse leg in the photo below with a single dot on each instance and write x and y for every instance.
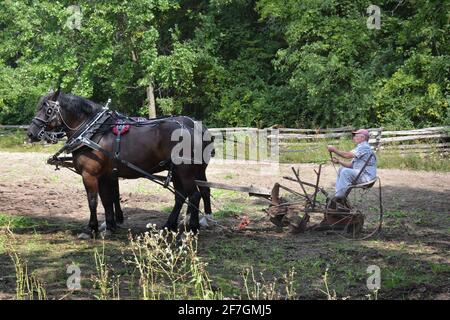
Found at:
(106, 191)
(194, 201)
(180, 196)
(117, 209)
(190, 188)
(205, 193)
(91, 185)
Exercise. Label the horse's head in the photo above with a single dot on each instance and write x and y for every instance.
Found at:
(48, 118)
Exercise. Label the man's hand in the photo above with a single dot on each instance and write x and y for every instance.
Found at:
(335, 160)
(343, 154)
(330, 148)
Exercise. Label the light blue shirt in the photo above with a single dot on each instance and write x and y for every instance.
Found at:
(362, 153)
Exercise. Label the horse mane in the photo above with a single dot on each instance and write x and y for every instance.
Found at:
(78, 105)
(75, 104)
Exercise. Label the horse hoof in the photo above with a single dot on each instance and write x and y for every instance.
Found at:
(181, 238)
(194, 228)
(102, 227)
(84, 236)
(107, 233)
(170, 227)
(204, 222)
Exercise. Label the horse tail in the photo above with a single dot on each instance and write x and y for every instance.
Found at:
(204, 130)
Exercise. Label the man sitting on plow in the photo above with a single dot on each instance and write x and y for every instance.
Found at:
(339, 214)
(349, 171)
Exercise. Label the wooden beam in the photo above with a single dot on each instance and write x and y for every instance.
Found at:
(414, 137)
(7, 126)
(251, 189)
(417, 146)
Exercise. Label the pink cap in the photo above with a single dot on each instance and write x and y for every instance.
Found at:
(362, 131)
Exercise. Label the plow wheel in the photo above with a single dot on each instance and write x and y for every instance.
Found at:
(359, 216)
(346, 224)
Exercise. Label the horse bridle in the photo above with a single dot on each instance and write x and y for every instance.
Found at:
(52, 110)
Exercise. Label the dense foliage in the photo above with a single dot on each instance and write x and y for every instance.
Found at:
(298, 63)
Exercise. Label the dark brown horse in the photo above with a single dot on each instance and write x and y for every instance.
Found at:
(149, 147)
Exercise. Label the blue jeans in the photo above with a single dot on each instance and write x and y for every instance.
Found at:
(345, 179)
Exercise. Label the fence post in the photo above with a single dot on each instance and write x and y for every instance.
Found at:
(378, 139)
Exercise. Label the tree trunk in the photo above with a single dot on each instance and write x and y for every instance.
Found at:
(151, 101)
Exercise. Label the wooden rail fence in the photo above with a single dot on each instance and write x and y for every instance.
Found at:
(426, 140)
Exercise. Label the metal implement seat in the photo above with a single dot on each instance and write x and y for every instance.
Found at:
(364, 185)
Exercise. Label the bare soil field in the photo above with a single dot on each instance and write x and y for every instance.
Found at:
(412, 252)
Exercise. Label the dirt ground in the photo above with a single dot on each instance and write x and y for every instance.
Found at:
(416, 228)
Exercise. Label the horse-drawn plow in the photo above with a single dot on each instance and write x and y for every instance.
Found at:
(355, 217)
(358, 216)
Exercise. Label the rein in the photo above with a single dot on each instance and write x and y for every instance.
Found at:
(65, 123)
(331, 158)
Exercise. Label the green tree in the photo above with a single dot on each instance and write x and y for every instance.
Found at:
(351, 75)
(303, 63)
(112, 53)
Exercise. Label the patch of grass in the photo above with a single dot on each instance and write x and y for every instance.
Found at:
(257, 288)
(15, 141)
(224, 258)
(18, 222)
(394, 278)
(55, 178)
(108, 287)
(229, 210)
(429, 162)
(167, 270)
(234, 255)
(221, 193)
(419, 218)
(167, 209)
(403, 273)
(312, 153)
(438, 268)
(149, 266)
(395, 214)
(348, 262)
(347, 268)
(227, 287)
(238, 253)
(28, 285)
(317, 153)
(244, 267)
(143, 188)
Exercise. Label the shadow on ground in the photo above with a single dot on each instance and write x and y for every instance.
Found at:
(412, 251)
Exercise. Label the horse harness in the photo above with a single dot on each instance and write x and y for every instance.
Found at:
(86, 136)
